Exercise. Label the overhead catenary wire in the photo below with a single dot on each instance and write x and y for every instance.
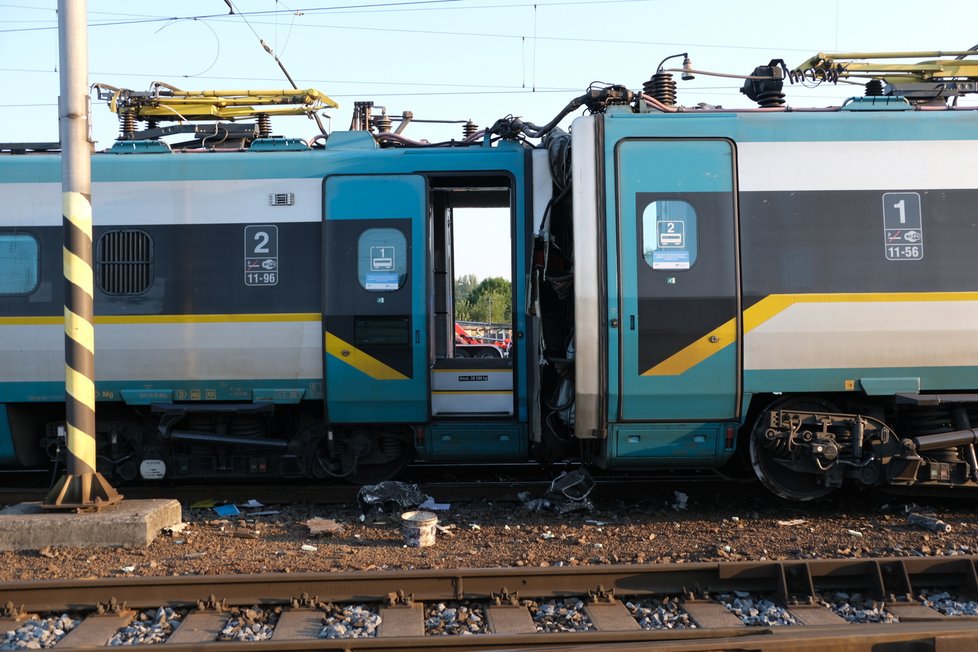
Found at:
(268, 49)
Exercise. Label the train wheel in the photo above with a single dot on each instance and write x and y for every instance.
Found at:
(360, 456)
(777, 466)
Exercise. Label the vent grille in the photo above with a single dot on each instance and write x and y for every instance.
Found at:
(124, 262)
(281, 199)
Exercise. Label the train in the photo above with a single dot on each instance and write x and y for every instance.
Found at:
(787, 291)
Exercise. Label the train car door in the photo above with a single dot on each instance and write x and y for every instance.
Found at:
(375, 315)
(678, 280)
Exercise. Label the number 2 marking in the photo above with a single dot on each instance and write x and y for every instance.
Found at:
(262, 238)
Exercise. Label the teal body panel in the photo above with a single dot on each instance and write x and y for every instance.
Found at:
(376, 205)
(894, 379)
(670, 444)
(625, 172)
(489, 442)
(505, 159)
(258, 390)
(801, 125)
(673, 280)
(8, 455)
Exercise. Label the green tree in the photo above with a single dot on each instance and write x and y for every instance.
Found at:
(464, 285)
(491, 301)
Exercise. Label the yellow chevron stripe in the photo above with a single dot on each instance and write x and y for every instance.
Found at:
(170, 319)
(80, 387)
(346, 352)
(774, 304)
(77, 209)
(77, 271)
(80, 330)
(696, 352)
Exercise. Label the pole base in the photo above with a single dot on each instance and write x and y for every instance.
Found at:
(88, 491)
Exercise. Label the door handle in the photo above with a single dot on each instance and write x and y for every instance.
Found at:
(631, 322)
(417, 337)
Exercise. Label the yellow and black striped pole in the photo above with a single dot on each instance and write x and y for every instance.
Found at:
(82, 487)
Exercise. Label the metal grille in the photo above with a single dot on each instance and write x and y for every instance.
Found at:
(124, 262)
(281, 199)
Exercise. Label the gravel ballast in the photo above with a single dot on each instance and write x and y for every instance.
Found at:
(740, 523)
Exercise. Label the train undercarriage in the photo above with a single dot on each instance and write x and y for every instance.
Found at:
(805, 447)
(237, 441)
(801, 447)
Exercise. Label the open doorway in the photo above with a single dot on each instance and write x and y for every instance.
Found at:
(472, 277)
(483, 286)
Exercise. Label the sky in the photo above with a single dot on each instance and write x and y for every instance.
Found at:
(447, 59)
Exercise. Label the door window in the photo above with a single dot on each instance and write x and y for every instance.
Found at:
(669, 235)
(382, 260)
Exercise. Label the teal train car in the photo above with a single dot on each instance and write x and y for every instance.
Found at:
(787, 291)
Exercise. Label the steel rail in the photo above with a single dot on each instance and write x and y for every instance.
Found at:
(794, 584)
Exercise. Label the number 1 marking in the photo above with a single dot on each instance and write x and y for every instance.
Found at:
(901, 206)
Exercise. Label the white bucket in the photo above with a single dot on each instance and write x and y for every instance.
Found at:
(418, 528)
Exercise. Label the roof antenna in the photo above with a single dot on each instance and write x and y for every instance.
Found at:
(281, 65)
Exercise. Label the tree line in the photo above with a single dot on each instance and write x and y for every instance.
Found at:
(488, 300)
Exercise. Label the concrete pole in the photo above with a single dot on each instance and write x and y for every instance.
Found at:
(82, 487)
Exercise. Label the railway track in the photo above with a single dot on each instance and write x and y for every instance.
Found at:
(593, 608)
(496, 483)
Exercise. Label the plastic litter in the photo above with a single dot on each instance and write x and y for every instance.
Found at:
(389, 499)
(431, 505)
(226, 510)
(568, 492)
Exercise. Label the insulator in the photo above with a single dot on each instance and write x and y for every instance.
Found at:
(264, 125)
(770, 99)
(128, 126)
(662, 87)
(469, 129)
(874, 88)
(383, 123)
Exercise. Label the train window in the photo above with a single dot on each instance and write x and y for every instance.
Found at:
(124, 262)
(19, 263)
(382, 260)
(669, 234)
